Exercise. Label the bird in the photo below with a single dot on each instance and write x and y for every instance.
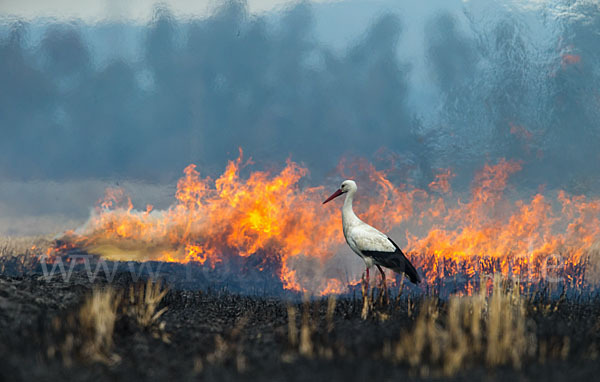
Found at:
(373, 246)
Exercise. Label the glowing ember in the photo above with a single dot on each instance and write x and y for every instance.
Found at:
(269, 217)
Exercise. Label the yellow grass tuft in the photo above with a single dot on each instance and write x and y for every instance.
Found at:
(306, 346)
(307, 341)
(87, 334)
(292, 329)
(228, 348)
(472, 329)
(144, 300)
(97, 319)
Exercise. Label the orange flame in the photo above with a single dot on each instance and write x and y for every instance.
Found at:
(268, 216)
(520, 132)
(570, 59)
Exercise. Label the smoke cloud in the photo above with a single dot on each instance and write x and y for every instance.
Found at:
(515, 83)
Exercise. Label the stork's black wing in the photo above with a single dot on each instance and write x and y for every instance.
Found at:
(395, 261)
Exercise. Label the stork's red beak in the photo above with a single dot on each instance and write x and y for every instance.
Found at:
(334, 195)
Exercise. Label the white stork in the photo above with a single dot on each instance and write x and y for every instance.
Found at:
(374, 247)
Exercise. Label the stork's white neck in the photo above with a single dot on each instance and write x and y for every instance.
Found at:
(349, 218)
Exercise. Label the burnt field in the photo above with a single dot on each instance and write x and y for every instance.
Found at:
(129, 327)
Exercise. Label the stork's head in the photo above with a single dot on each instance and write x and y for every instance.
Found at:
(347, 186)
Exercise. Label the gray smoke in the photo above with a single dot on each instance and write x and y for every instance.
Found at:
(515, 83)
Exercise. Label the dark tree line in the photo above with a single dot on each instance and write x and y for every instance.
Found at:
(203, 88)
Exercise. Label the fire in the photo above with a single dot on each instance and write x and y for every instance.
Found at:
(270, 218)
(521, 132)
(570, 59)
(211, 220)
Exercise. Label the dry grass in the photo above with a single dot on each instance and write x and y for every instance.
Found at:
(20, 245)
(88, 333)
(304, 342)
(21, 254)
(97, 318)
(228, 349)
(373, 298)
(592, 271)
(301, 340)
(472, 330)
(144, 300)
(307, 328)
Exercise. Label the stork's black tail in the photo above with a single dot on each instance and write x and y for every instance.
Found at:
(395, 261)
(407, 268)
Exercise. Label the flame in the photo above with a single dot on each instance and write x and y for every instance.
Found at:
(442, 181)
(229, 216)
(570, 59)
(521, 132)
(270, 218)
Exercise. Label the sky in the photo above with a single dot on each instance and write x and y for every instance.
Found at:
(100, 94)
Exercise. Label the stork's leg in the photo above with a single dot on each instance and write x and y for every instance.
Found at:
(383, 296)
(382, 275)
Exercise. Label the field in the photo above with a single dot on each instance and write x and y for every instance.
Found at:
(127, 329)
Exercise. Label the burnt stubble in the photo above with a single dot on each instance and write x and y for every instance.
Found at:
(48, 330)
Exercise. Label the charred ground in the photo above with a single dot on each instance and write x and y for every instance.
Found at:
(51, 328)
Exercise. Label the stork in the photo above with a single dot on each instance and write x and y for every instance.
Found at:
(374, 247)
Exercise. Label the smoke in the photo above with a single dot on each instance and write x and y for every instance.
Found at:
(491, 82)
(49, 207)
